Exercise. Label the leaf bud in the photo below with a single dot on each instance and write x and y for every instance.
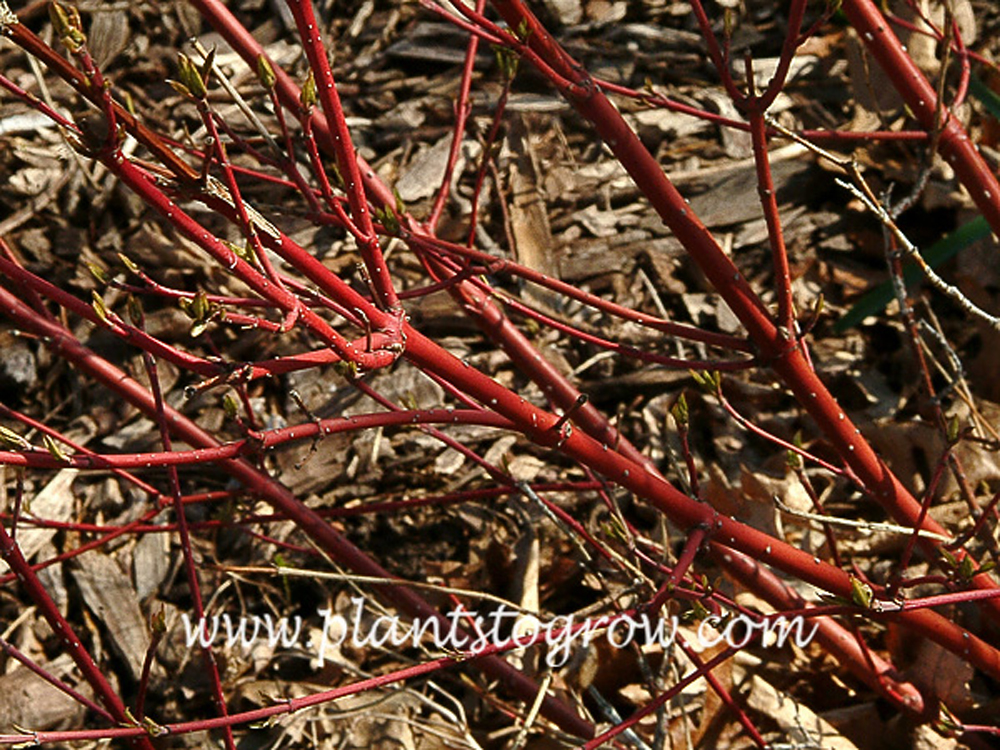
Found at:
(190, 77)
(68, 27)
(265, 73)
(308, 96)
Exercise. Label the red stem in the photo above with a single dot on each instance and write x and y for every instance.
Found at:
(462, 110)
(776, 348)
(497, 266)
(622, 463)
(36, 591)
(65, 346)
(10, 650)
(755, 107)
(921, 98)
(834, 638)
(190, 565)
(343, 147)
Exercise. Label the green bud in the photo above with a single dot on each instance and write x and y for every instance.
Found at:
(53, 448)
(230, 406)
(820, 304)
(265, 73)
(679, 411)
(68, 27)
(180, 88)
(699, 611)
(243, 252)
(400, 205)
(967, 568)
(152, 728)
(954, 427)
(949, 559)
(99, 274)
(158, 622)
(507, 62)
(11, 438)
(308, 95)
(861, 593)
(190, 77)
(208, 65)
(709, 382)
(136, 314)
(346, 369)
(793, 460)
(98, 304)
(128, 263)
(387, 219)
(335, 177)
(197, 307)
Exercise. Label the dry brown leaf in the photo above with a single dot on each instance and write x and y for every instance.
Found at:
(797, 721)
(568, 12)
(529, 216)
(426, 172)
(714, 710)
(942, 673)
(109, 34)
(150, 563)
(55, 503)
(28, 701)
(914, 448)
(109, 595)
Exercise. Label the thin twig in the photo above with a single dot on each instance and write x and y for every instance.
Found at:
(867, 526)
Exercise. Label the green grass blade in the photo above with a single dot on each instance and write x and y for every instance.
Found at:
(876, 299)
(989, 98)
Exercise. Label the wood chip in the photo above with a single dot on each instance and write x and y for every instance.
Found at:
(800, 725)
(28, 701)
(54, 502)
(110, 596)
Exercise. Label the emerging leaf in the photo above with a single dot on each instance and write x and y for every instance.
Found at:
(308, 95)
(861, 593)
(99, 274)
(709, 382)
(230, 406)
(128, 263)
(190, 77)
(954, 427)
(66, 22)
(97, 303)
(265, 73)
(679, 411)
(53, 448)
(507, 62)
(387, 218)
(11, 438)
(197, 307)
(136, 315)
(158, 622)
